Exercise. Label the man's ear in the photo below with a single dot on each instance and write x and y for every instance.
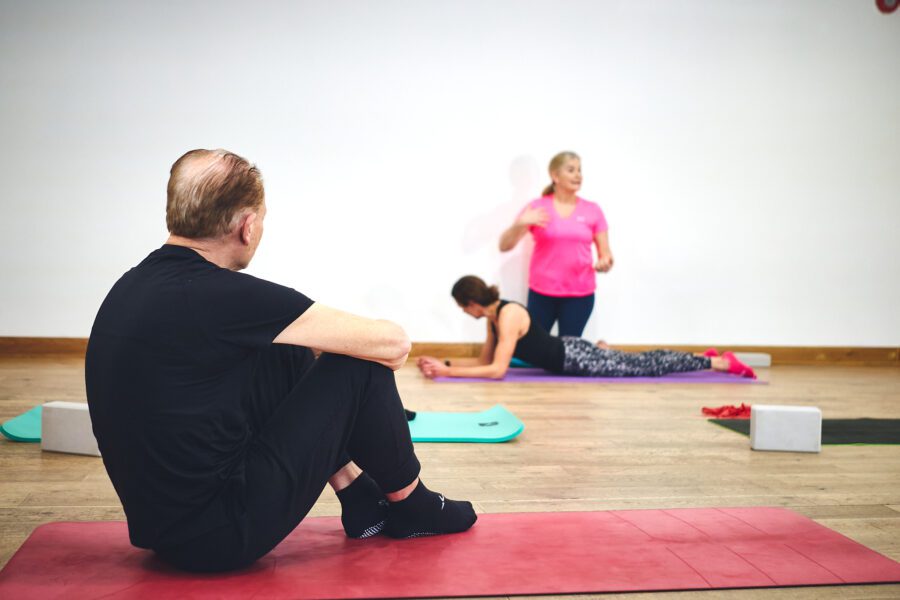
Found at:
(248, 222)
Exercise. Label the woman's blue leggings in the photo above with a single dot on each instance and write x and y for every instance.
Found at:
(572, 313)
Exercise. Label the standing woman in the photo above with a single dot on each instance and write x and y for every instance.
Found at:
(561, 281)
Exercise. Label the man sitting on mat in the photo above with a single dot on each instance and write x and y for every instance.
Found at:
(217, 426)
(511, 332)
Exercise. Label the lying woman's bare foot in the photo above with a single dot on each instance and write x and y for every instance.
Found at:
(736, 367)
(717, 363)
(602, 345)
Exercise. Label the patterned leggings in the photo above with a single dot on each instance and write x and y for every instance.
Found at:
(584, 358)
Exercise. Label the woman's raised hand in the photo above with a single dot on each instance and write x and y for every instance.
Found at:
(534, 216)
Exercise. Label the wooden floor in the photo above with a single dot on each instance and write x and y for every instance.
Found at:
(585, 447)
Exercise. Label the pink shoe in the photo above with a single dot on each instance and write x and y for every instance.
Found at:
(711, 352)
(736, 367)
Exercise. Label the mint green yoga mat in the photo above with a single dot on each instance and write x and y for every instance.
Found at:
(493, 425)
(24, 428)
(490, 426)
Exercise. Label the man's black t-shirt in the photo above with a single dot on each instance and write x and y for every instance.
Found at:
(168, 368)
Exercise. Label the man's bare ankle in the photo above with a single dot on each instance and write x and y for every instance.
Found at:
(344, 476)
(403, 493)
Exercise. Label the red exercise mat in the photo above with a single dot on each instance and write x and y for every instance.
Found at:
(503, 554)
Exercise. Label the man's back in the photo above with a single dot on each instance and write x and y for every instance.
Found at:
(168, 364)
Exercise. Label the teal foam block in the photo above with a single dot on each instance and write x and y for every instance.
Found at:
(515, 363)
(490, 426)
(24, 428)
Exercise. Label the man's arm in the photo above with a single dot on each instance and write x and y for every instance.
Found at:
(331, 330)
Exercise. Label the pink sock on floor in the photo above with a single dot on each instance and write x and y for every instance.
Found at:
(737, 367)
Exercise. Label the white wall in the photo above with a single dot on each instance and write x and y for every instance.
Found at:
(746, 153)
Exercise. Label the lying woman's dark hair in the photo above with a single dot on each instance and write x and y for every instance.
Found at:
(473, 289)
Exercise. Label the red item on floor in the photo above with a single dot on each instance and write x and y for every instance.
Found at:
(502, 555)
(728, 412)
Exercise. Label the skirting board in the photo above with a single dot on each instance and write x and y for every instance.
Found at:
(781, 355)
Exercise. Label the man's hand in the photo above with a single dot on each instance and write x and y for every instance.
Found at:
(394, 365)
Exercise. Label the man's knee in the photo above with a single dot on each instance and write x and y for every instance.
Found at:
(288, 358)
(350, 368)
(342, 362)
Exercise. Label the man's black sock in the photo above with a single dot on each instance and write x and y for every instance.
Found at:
(363, 508)
(424, 512)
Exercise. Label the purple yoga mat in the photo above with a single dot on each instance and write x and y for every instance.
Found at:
(542, 376)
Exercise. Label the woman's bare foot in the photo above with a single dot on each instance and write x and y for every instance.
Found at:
(718, 363)
(736, 367)
(602, 345)
(729, 363)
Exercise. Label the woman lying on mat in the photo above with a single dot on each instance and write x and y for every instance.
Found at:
(511, 332)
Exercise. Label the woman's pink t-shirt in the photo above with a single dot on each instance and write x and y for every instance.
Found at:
(562, 263)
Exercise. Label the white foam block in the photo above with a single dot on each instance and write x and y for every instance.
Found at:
(754, 359)
(66, 427)
(786, 428)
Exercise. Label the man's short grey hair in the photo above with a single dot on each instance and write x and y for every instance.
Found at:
(208, 191)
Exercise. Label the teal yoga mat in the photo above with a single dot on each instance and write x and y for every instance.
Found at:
(24, 428)
(493, 425)
(490, 426)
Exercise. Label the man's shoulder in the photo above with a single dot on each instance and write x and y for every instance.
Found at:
(174, 260)
(241, 279)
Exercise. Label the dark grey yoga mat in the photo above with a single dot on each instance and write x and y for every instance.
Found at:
(839, 431)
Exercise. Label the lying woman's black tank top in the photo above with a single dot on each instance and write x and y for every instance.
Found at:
(536, 347)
